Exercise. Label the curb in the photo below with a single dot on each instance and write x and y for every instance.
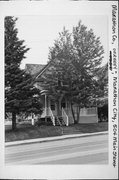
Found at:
(56, 138)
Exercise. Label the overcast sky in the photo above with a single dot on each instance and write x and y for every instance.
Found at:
(39, 33)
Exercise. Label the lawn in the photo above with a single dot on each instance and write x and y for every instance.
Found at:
(87, 128)
(27, 131)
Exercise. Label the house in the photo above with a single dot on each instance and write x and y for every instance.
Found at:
(59, 112)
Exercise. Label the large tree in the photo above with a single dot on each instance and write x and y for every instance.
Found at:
(76, 57)
(58, 79)
(20, 93)
(87, 59)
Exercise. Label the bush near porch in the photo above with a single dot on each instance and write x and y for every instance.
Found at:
(27, 131)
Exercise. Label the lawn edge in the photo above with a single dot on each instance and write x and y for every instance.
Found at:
(54, 138)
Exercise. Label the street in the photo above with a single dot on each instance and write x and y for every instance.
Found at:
(83, 150)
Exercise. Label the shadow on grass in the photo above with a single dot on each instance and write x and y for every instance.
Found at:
(31, 132)
(27, 131)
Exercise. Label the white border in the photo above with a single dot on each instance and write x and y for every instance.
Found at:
(55, 172)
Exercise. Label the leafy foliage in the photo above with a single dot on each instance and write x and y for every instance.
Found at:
(75, 60)
(20, 94)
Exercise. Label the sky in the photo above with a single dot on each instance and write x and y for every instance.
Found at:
(39, 33)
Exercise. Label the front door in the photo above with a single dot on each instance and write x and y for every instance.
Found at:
(63, 104)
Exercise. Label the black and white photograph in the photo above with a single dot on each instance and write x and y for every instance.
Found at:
(59, 111)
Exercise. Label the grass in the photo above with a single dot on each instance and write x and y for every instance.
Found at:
(87, 128)
(27, 131)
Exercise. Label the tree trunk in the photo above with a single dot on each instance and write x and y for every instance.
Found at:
(73, 113)
(78, 113)
(13, 121)
(58, 108)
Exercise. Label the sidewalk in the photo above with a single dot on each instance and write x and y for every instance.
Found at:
(48, 139)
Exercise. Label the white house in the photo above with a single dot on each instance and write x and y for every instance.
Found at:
(59, 112)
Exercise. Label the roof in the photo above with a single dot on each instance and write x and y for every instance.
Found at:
(34, 68)
(104, 71)
(43, 69)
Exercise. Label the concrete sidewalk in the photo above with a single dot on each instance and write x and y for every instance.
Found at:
(56, 138)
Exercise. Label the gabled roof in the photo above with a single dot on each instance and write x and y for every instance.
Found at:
(43, 69)
(33, 69)
(36, 70)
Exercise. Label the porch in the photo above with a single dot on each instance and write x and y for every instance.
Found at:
(54, 110)
(60, 112)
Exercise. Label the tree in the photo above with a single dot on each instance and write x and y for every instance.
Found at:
(76, 57)
(101, 86)
(54, 80)
(88, 55)
(20, 93)
(102, 76)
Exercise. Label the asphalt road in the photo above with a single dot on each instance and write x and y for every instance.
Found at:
(83, 150)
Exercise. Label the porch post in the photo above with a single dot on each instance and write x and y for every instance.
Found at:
(57, 108)
(45, 108)
(32, 121)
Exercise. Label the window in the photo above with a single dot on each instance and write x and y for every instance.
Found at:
(52, 105)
